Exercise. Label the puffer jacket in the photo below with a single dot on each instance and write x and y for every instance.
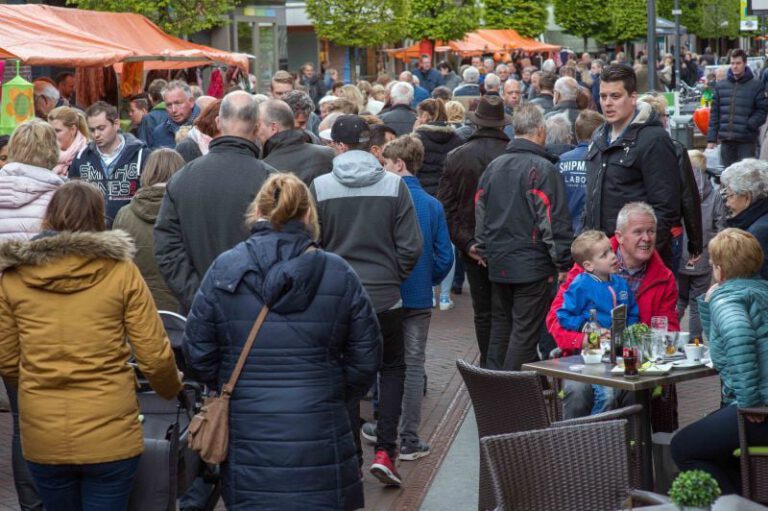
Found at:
(754, 220)
(439, 139)
(138, 220)
(68, 302)
(739, 108)
(458, 184)
(25, 191)
(290, 443)
(736, 323)
(641, 165)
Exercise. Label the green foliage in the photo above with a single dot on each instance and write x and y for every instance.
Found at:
(443, 20)
(174, 17)
(719, 18)
(582, 18)
(627, 20)
(691, 17)
(694, 488)
(359, 24)
(528, 17)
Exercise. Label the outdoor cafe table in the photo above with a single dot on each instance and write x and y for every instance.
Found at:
(600, 374)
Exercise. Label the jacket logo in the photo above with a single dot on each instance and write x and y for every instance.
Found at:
(623, 296)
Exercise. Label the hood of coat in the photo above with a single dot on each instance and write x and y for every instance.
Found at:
(747, 76)
(438, 132)
(146, 203)
(66, 262)
(357, 169)
(278, 267)
(21, 184)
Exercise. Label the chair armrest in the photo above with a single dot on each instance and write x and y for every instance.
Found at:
(647, 498)
(622, 413)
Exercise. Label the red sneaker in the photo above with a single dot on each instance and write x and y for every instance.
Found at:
(384, 469)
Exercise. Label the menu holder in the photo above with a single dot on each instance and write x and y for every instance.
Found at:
(618, 325)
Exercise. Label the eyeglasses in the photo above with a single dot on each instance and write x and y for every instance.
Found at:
(726, 195)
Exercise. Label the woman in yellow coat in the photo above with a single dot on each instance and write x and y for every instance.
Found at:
(70, 299)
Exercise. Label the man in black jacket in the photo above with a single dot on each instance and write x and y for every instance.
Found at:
(287, 149)
(458, 184)
(523, 231)
(400, 117)
(630, 159)
(205, 202)
(739, 108)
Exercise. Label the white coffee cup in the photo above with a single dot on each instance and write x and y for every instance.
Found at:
(683, 338)
(694, 353)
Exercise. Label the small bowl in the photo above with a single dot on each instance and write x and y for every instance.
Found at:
(592, 356)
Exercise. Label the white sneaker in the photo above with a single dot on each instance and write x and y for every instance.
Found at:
(446, 304)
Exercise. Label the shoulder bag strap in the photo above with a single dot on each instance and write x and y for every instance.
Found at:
(230, 385)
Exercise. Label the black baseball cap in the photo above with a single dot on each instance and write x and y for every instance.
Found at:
(350, 129)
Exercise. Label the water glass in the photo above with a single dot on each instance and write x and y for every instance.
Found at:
(660, 323)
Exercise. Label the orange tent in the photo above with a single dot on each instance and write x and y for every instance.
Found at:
(44, 35)
(481, 42)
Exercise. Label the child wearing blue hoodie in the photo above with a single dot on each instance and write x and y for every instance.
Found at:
(598, 288)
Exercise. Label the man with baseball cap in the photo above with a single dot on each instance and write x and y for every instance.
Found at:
(367, 217)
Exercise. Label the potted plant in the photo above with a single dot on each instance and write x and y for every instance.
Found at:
(694, 490)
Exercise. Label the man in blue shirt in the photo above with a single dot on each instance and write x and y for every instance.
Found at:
(182, 110)
(429, 78)
(573, 166)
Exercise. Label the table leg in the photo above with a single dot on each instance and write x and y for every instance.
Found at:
(643, 397)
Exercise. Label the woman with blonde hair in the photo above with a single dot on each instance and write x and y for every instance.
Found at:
(318, 344)
(353, 94)
(72, 135)
(26, 180)
(138, 220)
(74, 310)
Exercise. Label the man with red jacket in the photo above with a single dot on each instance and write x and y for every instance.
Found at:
(651, 281)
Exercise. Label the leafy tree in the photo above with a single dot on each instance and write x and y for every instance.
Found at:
(528, 17)
(443, 20)
(691, 16)
(719, 18)
(627, 20)
(582, 18)
(359, 24)
(175, 17)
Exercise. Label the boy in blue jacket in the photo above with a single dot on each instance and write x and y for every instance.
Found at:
(403, 157)
(598, 288)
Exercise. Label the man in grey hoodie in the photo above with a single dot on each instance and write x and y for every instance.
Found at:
(367, 217)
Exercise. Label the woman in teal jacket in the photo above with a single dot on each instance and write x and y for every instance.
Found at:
(734, 315)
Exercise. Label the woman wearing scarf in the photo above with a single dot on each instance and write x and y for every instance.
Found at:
(72, 135)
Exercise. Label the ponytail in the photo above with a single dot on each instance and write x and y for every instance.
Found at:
(282, 198)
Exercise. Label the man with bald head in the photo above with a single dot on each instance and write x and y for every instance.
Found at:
(205, 202)
(288, 148)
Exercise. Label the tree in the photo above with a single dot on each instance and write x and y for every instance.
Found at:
(719, 18)
(443, 20)
(528, 17)
(627, 20)
(582, 18)
(691, 16)
(359, 24)
(175, 17)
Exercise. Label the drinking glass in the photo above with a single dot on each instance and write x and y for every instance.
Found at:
(659, 323)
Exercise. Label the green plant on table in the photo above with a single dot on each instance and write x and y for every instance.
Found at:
(694, 488)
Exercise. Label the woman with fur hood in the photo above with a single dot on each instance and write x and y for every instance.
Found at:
(69, 299)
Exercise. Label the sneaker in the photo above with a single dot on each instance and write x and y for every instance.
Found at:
(368, 431)
(446, 303)
(413, 451)
(456, 290)
(384, 469)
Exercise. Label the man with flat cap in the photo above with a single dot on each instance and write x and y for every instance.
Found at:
(367, 217)
(458, 184)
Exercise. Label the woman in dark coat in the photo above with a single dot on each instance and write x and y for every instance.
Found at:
(745, 193)
(290, 442)
(439, 139)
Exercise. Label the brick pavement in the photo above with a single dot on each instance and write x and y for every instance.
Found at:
(446, 402)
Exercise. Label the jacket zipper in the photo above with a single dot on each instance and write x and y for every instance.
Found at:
(731, 108)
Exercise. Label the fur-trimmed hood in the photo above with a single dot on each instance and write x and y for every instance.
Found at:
(66, 262)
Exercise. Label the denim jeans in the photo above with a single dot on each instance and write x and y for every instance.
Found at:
(447, 283)
(458, 276)
(91, 487)
(391, 380)
(22, 479)
(415, 332)
(579, 399)
(708, 445)
(733, 152)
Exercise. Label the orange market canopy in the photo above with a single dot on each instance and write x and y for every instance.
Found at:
(480, 42)
(57, 36)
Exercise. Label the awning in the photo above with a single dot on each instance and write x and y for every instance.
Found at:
(57, 36)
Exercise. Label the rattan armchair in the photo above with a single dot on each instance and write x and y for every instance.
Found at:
(754, 461)
(509, 401)
(566, 468)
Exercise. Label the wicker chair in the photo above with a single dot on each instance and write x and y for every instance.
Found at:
(754, 462)
(566, 468)
(508, 402)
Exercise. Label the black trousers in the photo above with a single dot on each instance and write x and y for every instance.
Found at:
(525, 307)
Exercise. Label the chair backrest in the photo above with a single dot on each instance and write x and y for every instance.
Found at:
(564, 468)
(504, 402)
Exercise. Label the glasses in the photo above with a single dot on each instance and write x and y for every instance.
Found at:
(726, 195)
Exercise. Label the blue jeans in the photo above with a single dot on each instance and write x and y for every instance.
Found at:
(91, 487)
(415, 333)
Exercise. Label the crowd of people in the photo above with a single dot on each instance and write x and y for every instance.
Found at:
(351, 212)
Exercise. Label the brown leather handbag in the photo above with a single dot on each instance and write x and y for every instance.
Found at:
(209, 429)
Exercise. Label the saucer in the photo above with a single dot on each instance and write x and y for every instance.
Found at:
(688, 364)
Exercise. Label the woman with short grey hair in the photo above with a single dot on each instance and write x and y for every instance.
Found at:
(745, 193)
